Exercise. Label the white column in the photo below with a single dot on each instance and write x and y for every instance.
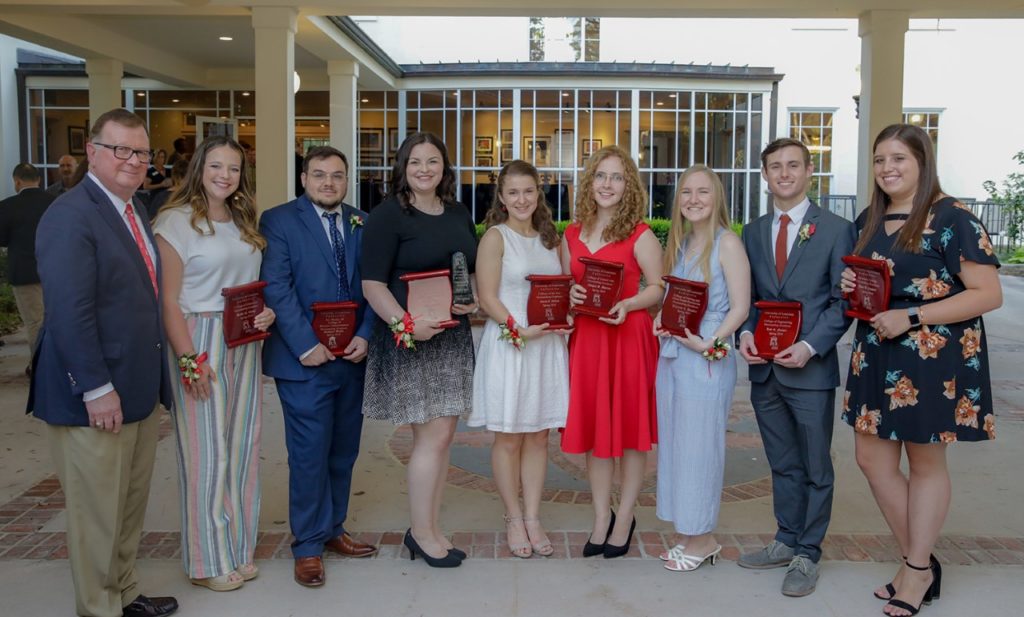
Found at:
(344, 78)
(275, 104)
(883, 35)
(104, 85)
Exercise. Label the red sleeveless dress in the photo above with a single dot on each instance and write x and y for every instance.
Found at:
(611, 368)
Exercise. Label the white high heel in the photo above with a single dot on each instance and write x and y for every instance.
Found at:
(673, 554)
(688, 563)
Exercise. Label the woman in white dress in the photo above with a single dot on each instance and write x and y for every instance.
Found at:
(521, 381)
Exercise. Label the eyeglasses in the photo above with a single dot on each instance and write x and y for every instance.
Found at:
(603, 177)
(125, 153)
(320, 176)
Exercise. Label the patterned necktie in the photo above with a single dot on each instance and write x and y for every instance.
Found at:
(781, 241)
(339, 255)
(129, 214)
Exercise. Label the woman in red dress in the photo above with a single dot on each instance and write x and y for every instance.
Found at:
(613, 360)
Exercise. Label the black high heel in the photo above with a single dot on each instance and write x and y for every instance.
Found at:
(936, 587)
(611, 551)
(590, 549)
(448, 561)
(928, 595)
(889, 587)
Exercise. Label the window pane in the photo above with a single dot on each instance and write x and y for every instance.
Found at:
(66, 98)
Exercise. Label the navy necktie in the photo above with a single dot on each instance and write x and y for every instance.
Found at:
(339, 255)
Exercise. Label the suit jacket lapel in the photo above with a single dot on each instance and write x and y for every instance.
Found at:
(769, 251)
(110, 215)
(798, 247)
(351, 245)
(310, 218)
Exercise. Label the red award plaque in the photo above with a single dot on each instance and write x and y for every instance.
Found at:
(549, 300)
(430, 297)
(241, 305)
(778, 327)
(684, 306)
(871, 292)
(603, 282)
(335, 324)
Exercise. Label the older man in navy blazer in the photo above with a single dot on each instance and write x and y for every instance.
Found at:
(796, 255)
(101, 366)
(313, 246)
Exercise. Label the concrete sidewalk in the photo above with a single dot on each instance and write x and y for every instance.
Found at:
(984, 528)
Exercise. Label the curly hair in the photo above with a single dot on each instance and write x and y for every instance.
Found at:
(241, 204)
(541, 220)
(445, 190)
(631, 209)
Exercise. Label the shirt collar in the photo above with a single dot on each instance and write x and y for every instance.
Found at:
(114, 199)
(796, 213)
(321, 211)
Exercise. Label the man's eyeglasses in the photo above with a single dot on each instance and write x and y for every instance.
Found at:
(320, 176)
(124, 152)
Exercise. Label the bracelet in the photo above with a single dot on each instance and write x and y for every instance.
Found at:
(402, 330)
(188, 364)
(510, 332)
(718, 351)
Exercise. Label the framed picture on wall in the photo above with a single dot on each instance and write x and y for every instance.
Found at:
(393, 143)
(76, 140)
(506, 153)
(484, 161)
(484, 145)
(365, 165)
(371, 141)
(537, 150)
(591, 146)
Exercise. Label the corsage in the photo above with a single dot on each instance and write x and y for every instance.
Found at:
(510, 332)
(401, 331)
(189, 364)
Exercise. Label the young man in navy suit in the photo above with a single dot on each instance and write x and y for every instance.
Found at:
(796, 255)
(313, 246)
(101, 365)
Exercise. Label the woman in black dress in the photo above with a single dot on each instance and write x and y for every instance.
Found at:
(919, 375)
(429, 383)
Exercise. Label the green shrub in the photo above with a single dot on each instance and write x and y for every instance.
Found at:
(10, 320)
(1017, 257)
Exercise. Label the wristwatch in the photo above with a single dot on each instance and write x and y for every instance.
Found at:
(914, 317)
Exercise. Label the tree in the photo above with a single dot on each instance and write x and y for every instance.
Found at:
(1010, 195)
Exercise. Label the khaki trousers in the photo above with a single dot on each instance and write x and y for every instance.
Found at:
(105, 478)
(29, 299)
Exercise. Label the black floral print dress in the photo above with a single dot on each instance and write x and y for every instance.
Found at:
(931, 384)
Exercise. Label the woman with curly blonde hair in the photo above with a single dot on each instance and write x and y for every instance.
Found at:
(208, 240)
(613, 359)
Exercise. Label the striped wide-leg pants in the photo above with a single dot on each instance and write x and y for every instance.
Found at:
(218, 454)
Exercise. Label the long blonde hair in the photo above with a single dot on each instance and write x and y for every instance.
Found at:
(241, 204)
(682, 229)
(631, 209)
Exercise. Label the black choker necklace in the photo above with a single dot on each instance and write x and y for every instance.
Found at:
(897, 217)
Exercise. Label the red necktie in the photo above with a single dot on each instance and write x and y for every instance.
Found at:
(130, 215)
(781, 254)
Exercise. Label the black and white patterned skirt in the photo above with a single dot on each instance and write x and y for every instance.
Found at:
(414, 386)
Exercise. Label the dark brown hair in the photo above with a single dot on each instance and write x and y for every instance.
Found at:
(26, 172)
(928, 189)
(317, 153)
(779, 144)
(241, 204)
(541, 220)
(400, 184)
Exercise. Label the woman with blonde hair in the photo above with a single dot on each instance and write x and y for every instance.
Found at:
(208, 240)
(521, 381)
(697, 372)
(612, 360)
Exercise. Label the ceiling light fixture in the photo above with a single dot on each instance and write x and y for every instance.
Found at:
(141, 94)
(226, 38)
(175, 100)
(245, 94)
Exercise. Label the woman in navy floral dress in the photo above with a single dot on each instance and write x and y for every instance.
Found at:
(919, 375)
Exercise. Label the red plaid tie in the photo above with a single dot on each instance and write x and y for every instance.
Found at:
(139, 242)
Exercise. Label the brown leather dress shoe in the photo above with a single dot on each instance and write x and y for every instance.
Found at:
(348, 546)
(309, 571)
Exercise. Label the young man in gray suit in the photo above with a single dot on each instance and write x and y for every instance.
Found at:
(796, 255)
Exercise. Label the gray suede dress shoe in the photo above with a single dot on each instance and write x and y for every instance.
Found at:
(775, 555)
(801, 577)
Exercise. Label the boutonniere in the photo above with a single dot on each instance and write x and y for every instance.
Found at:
(806, 231)
(355, 221)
